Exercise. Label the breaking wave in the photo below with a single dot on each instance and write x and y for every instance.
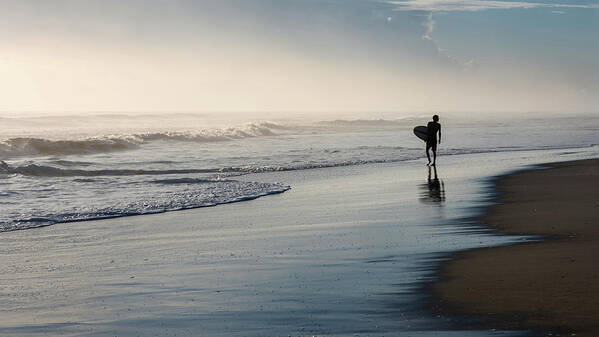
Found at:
(28, 146)
(50, 171)
(24, 146)
(39, 146)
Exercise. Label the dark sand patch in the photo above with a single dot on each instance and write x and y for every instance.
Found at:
(550, 286)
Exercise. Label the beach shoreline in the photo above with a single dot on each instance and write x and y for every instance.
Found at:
(549, 285)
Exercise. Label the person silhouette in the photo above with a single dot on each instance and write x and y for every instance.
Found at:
(431, 141)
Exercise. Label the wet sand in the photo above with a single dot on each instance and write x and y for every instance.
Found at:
(550, 286)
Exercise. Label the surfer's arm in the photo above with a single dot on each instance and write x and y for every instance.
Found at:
(439, 133)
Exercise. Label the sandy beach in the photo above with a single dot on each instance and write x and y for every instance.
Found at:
(550, 286)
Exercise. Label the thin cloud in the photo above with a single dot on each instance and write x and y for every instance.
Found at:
(433, 6)
(474, 5)
(429, 28)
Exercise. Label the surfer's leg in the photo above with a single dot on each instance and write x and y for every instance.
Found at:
(428, 147)
(434, 148)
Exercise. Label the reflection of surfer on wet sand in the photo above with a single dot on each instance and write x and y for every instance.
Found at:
(434, 189)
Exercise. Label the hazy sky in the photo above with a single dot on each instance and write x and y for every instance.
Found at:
(299, 55)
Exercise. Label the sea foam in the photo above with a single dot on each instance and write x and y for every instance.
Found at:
(34, 146)
(90, 199)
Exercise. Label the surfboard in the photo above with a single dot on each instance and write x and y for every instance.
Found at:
(421, 132)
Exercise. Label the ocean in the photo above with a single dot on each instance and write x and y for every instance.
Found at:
(65, 168)
(326, 227)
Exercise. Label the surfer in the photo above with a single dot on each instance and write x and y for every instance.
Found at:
(431, 141)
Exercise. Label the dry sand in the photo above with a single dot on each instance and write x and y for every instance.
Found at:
(552, 286)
